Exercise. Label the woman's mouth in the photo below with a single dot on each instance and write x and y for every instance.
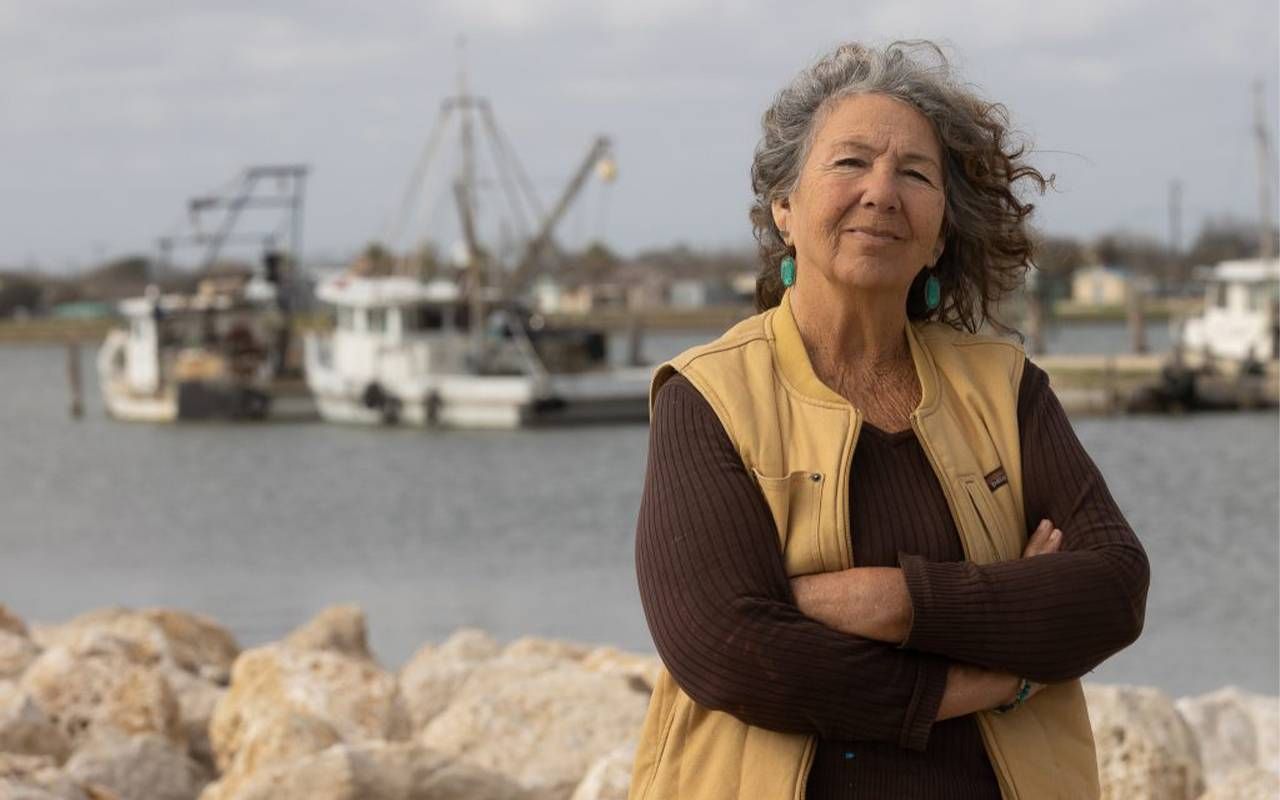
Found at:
(874, 235)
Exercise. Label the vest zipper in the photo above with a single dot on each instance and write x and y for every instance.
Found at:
(843, 487)
(1005, 778)
(806, 764)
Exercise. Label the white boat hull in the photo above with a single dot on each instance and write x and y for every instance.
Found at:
(124, 405)
(166, 400)
(495, 403)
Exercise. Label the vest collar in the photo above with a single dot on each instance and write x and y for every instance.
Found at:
(793, 360)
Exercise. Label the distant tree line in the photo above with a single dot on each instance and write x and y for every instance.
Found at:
(1219, 239)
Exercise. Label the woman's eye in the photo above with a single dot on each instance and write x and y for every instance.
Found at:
(851, 162)
(919, 176)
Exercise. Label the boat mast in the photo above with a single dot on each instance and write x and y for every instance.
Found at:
(467, 174)
(464, 192)
(1263, 147)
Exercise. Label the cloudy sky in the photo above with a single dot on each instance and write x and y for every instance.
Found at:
(114, 112)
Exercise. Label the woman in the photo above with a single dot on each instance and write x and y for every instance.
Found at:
(873, 556)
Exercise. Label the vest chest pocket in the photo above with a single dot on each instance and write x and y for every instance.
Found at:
(794, 500)
(991, 522)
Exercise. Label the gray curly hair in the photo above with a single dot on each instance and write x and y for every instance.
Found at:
(988, 241)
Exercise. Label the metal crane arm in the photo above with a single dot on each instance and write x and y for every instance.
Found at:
(538, 244)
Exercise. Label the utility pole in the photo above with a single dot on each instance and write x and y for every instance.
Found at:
(1175, 268)
(1262, 142)
(1175, 217)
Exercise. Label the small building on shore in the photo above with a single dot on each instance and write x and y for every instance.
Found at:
(1100, 285)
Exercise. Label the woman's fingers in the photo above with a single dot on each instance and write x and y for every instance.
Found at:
(1044, 539)
(1039, 538)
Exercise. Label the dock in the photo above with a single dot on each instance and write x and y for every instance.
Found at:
(1131, 383)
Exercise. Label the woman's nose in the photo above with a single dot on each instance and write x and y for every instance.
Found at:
(881, 190)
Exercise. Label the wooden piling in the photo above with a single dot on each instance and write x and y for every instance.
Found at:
(635, 341)
(1136, 317)
(73, 379)
(1033, 312)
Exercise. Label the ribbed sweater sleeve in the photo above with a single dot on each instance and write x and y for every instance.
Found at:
(1052, 617)
(719, 605)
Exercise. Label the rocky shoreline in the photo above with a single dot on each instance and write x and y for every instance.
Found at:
(162, 704)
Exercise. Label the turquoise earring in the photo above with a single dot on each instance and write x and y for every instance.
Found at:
(932, 292)
(788, 270)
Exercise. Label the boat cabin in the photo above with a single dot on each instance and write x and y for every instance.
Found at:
(1241, 316)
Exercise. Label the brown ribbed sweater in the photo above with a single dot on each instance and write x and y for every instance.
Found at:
(719, 603)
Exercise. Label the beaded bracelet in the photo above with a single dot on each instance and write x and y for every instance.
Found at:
(1024, 691)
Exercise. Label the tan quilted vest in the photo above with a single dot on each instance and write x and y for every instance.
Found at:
(797, 437)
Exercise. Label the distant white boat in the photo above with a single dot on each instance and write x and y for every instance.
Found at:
(405, 351)
(220, 352)
(1241, 317)
(200, 356)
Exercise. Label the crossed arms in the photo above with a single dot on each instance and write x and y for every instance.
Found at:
(874, 653)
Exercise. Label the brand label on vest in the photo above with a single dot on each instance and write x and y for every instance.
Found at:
(997, 479)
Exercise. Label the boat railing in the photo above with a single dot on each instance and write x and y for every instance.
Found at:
(524, 346)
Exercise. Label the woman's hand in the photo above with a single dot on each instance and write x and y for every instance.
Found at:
(1044, 539)
(873, 602)
(972, 689)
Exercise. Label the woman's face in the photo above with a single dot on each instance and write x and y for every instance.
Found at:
(867, 212)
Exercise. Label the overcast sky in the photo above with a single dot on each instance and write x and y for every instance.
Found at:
(113, 113)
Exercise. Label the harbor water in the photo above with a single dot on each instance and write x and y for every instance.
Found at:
(531, 532)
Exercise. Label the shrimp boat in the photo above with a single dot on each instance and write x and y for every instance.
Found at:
(220, 352)
(405, 351)
(1228, 355)
(199, 356)
(1240, 320)
(465, 351)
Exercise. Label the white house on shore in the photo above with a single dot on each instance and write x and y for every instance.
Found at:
(1100, 285)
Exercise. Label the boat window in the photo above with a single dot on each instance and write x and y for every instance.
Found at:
(346, 319)
(377, 320)
(462, 316)
(426, 318)
(1262, 295)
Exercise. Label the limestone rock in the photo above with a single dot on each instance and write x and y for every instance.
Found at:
(17, 766)
(1236, 729)
(285, 703)
(197, 698)
(16, 654)
(433, 676)
(357, 698)
(341, 629)
(279, 736)
(102, 689)
(534, 647)
(146, 767)
(11, 789)
(38, 778)
(640, 670)
(1146, 751)
(26, 729)
(610, 777)
(379, 771)
(11, 623)
(1246, 783)
(196, 643)
(189, 641)
(542, 723)
(469, 644)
